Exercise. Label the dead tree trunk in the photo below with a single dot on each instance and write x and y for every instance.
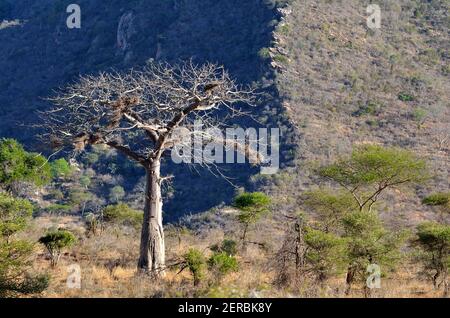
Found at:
(152, 255)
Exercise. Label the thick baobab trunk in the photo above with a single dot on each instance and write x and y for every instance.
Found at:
(152, 251)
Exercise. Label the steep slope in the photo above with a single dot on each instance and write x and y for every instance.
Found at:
(39, 54)
(343, 84)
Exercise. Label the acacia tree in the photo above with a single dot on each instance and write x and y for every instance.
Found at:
(434, 239)
(251, 206)
(369, 172)
(441, 201)
(373, 169)
(138, 114)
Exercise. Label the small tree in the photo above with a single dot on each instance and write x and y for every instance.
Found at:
(116, 194)
(252, 207)
(194, 260)
(15, 255)
(325, 254)
(368, 242)
(55, 241)
(14, 266)
(14, 215)
(227, 246)
(372, 169)
(222, 264)
(434, 240)
(122, 214)
(18, 165)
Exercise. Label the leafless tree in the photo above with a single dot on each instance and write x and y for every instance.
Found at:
(137, 113)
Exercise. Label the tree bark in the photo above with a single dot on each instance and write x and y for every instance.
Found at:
(152, 250)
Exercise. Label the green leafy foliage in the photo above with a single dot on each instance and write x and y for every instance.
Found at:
(116, 194)
(195, 261)
(122, 214)
(368, 242)
(329, 206)
(14, 264)
(437, 199)
(371, 169)
(264, 53)
(227, 246)
(434, 236)
(15, 255)
(55, 241)
(326, 253)
(18, 165)
(14, 215)
(434, 241)
(60, 168)
(79, 196)
(222, 264)
(252, 207)
(405, 97)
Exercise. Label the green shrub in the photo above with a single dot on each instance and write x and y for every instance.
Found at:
(264, 53)
(91, 158)
(122, 214)
(437, 199)
(61, 169)
(85, 181)
(325, 254)
(434, 240)
(280, 59)
(227, 246)
(116, 194)
(14, 265)
(405, 97)
(222, 264)
(79, 196)
(55, 241)
(14, 215)
(195, 261)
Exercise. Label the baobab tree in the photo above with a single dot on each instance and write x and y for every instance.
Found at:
(138, 114)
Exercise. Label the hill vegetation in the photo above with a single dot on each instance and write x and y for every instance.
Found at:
(362, 196)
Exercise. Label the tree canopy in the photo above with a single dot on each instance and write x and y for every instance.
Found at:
(14, 214)
(371, 169)
(17, 165)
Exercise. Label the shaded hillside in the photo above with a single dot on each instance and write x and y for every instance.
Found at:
(343, 84)
(39, 54)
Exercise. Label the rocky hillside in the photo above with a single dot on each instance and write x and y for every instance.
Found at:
(335, 82)
(344, 84)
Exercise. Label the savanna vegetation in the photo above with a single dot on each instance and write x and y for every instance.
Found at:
(359, 208)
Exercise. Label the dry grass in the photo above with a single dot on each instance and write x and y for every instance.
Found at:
(255, 277)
